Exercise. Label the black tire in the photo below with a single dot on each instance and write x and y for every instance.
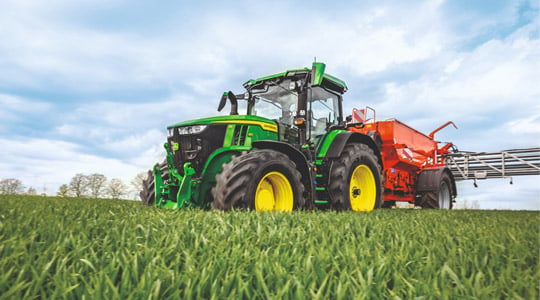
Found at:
(443, 198)
(148, 192)
(239, 184)
(344, 189)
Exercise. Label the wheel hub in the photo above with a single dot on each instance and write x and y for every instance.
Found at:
(356, 192)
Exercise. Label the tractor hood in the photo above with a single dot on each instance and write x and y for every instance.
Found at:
(264, 123)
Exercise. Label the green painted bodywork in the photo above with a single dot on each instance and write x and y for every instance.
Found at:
(187, 191)
(185, 187)
(326, 142)
(320, 75)
(184, 184)
(222, 119)
(322, 148)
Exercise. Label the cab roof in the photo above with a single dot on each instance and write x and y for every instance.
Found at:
(333, 82)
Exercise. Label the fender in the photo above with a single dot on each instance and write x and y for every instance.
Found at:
(376, 137)
(342, 139)
(295, 155)
(430, 180)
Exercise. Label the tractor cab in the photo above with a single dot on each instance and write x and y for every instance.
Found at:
(303, 103)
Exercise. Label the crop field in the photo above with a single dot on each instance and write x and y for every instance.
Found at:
(107, 249)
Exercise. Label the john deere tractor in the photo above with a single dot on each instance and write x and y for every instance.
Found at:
(290, 150)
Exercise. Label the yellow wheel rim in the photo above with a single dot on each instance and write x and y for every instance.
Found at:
(274, 192)
(362, 189)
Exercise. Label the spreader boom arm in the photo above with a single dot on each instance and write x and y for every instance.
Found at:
(488, 165)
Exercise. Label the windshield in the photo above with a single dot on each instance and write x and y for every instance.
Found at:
(276, 102)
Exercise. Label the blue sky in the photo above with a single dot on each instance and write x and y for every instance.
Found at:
(90, 86)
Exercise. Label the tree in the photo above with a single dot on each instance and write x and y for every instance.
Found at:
(31, 191)
(11, 186)
(63, 190)
(137, 183)
(96, 184)
(79, 185)
(116, 188)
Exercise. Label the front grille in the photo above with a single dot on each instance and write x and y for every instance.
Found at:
(196, 148)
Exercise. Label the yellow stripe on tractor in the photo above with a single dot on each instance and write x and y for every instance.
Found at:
(263, 125)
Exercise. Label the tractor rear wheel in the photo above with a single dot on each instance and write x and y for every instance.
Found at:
(439, 199)
(148, 192)
(263, 180)
(355, 180)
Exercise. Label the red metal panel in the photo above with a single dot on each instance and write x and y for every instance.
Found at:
(405, 152)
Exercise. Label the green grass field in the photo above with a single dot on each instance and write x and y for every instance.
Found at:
(106, 249)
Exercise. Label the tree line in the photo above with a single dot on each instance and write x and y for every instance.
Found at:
(12, 186)
(89, 186)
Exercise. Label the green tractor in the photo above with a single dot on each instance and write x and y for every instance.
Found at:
(291, 150)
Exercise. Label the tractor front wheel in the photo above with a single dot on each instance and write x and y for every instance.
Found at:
(263, 180)
(355, 180)
(148, 185)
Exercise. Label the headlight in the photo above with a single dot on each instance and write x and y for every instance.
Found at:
(195, 129)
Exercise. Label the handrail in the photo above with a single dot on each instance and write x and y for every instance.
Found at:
(432, 134)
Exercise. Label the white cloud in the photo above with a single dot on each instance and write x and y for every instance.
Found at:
(105, 120)
(360, 40)
(528, 125)
(148, 142)
(493, 81)
(19, 114)
(453, 65)
(13, 107)
(50, 163)
(88, 59)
